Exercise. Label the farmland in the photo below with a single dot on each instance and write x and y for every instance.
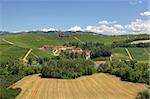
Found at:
(97, 86)
(9, 52)
(120, 53)
(143, 57)
(15, 47)
(25, 41)
(37, 40)
(140, 41)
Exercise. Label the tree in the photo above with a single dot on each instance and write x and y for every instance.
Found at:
(30, 61)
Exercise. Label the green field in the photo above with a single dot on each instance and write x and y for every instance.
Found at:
(139, 54)
(9, 52)
(107, 39)
(37, 40)
(40, 54)
(23, 42)
(119, 53)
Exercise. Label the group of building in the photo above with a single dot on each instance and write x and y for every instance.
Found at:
(57, 49)
(72, 49)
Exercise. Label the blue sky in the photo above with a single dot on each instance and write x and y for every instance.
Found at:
(23, 15)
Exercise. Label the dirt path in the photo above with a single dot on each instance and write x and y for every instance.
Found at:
(140, 41)
(11, 43)
(97, 86)
(26, 55)
(128, 52)
(77, 39)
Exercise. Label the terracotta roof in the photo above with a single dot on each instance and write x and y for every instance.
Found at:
(99, 62)
(77, 49)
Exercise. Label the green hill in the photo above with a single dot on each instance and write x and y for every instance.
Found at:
(16, 46)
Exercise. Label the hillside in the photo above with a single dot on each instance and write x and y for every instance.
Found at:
(24, 41)
(23, 54)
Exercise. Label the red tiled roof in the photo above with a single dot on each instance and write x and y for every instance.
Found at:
(99, 62)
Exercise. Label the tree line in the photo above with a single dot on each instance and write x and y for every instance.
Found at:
(128, 70)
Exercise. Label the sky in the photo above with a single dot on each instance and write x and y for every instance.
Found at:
(101, 16)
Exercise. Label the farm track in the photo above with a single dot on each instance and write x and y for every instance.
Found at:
(78, 39)
(140, 41)
(26, 55)
(129, 54)
(11, 43)
(97, 86)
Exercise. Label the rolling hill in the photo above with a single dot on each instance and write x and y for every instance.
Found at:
(20, 43)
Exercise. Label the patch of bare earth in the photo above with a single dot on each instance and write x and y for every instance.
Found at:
(140, 41)
(97, 86)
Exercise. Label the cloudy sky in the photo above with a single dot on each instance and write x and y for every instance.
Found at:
(100, 16)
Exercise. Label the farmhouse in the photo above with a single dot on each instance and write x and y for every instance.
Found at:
(62, 48)
(74, 50)
(51, 47)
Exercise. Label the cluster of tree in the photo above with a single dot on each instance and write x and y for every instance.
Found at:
(7, 79)
(125, 44)
(127, 70)
(14, 67)
(144, 95)
(100, 52)
(5, 82)
(10, 72)
(137, 39)
(97, 49)
(86, 45)
(72, 55)
(67, 68)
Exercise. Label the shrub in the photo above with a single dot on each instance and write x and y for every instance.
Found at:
(144, 95)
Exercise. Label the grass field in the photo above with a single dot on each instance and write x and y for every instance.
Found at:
(119, 53)
(97, 86)
(11, 52)
(100, 38)
(29, 40)
(107, 39)
(25, 41)
(40, 54)
(139, 54)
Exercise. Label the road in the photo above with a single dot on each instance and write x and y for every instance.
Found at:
(128, 53)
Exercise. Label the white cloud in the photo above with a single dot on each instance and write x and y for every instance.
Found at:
(107, 27)
(146, 13)
(48, 29)
(139, 27)
(104, 22)
(118, 26)
(75, 28)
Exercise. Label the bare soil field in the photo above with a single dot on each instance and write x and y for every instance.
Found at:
(97, 86)
(140, 41)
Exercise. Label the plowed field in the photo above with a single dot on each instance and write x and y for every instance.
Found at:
(97, 86)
